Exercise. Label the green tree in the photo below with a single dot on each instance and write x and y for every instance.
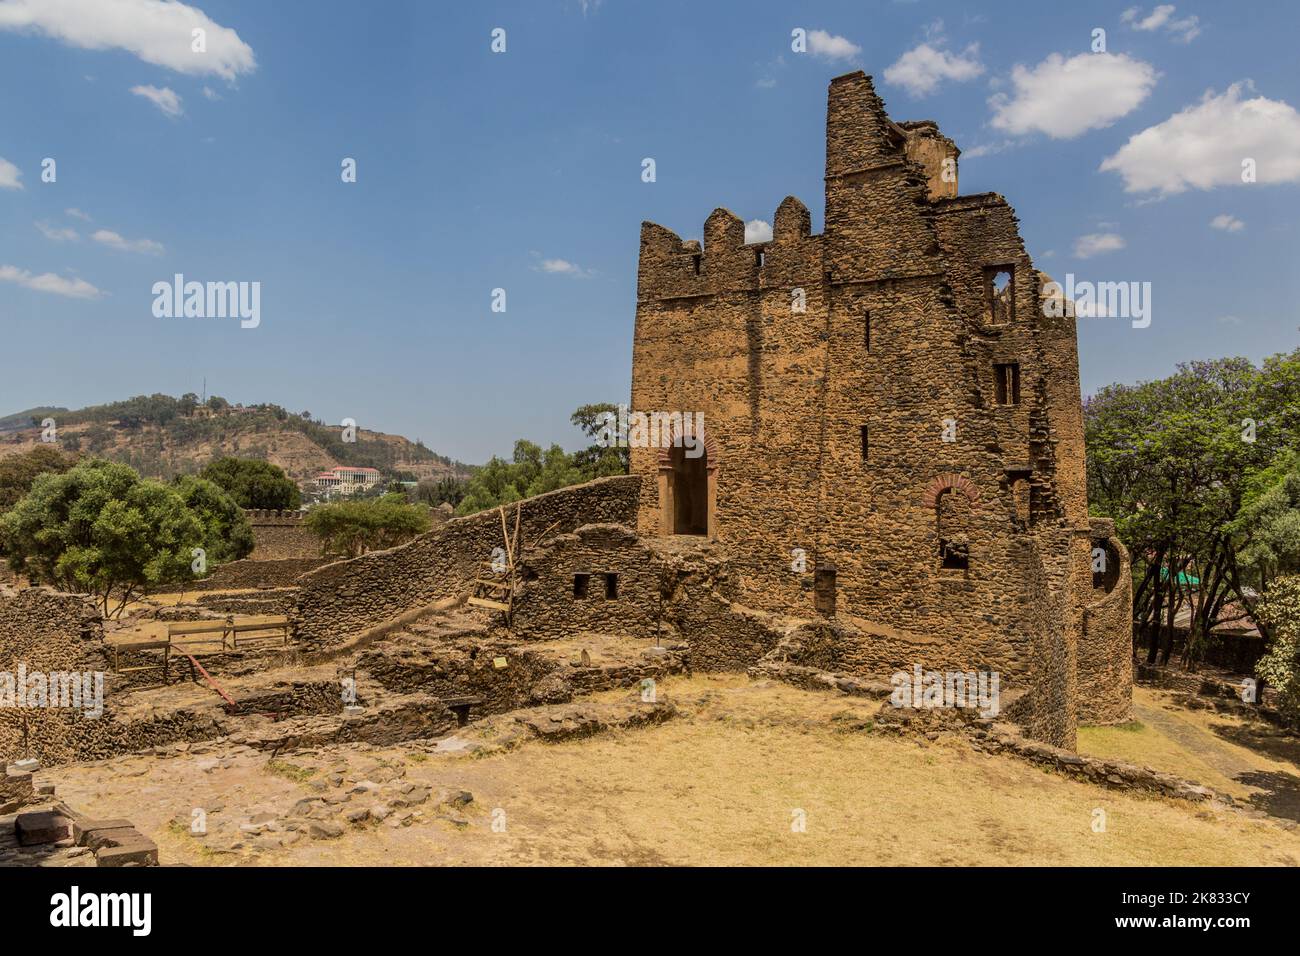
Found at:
(1280, 665)
(227, 535)
(100, 528)
(254, 483)
(355, 526)
(18, 472)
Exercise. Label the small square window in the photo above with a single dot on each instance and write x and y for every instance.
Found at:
(953, 556)
(580, 583)
(611, 587)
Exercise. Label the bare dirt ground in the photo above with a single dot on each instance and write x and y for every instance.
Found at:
(749, 773)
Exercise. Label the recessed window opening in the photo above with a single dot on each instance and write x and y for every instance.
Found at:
(580, 585)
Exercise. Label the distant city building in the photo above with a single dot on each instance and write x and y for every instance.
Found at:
(347, 479)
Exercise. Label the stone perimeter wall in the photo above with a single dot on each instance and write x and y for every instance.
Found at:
(339, 600)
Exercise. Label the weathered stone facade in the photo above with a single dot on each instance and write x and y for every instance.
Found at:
(888, 398)
(280, 534)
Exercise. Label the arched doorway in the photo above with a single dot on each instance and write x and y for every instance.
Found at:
(689, 489)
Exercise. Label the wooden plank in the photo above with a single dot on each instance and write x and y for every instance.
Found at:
(484, 602)
(499, 585)
(196, 627)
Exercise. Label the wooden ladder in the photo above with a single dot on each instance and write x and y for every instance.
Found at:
(493, 593)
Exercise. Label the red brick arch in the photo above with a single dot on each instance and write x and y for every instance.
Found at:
(951, 481)
(710, 450)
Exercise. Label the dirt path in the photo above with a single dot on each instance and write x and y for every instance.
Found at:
(1249, 760)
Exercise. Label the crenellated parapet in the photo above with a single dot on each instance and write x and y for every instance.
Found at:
(671, 268)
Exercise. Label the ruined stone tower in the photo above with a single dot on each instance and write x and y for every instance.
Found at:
(888, 399)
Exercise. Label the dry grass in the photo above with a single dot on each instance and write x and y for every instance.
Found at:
(721, 785)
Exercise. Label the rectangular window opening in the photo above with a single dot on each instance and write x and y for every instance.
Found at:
(611, 587)
(866, 330)
(580, 583)
(866, 443)
(698, 260)
(953, 557)
(1006, 380)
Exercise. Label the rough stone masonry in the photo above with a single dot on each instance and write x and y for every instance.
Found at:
(889, 399)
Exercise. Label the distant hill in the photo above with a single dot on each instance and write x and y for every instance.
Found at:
(161, 437)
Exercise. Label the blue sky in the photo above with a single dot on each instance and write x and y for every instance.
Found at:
(522, 170)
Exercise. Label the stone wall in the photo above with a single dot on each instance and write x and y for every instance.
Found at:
(832, 369)
(341, 599)
(252, 573)
(44, 631)
(280, 534)
(1106, 645)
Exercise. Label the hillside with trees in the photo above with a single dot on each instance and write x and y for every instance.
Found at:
(164, 437)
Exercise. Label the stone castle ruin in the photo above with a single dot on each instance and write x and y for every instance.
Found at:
(890, 477)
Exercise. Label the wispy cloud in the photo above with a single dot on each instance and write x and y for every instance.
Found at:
(114, 241)
(1227, 223)
(57, 233)
(165, 99)
(758, 230)
(831, 47)
(1097, 243)
(76, 213)
(1066, 98)
(1161, 18)
(49, 282)
(157, 31)
(921, 69)
(563, 267)
(10, 175)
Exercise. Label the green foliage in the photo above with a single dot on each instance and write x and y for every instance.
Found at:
(1194, 470)
(436, 491)
(355, 526)
(1280, 665)
(18, 472)
(100, 528)
(532, 471)
(227, 535)
(254, 483)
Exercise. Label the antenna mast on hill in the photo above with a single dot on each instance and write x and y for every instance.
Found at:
(205, 390)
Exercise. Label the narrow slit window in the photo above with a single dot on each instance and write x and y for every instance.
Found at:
(866, 330)
(580, 585)
(611, 587)
(758, 257)
(866, 443)
(1006, 380)
(698, 259)
(824, 589)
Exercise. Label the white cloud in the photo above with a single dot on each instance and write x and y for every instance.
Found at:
(57, 233)
(1066, 98)
(114, 241)
(1205, 145)
(829, 47)
(563, 267)
(1096, 243)
(1227, 223)
(921, 69)
(157, 32)
(756, 230)
(76, 213)
(49, 282)
(1230, 319)
(1184, 29)
(10, 175)
(165, 99)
